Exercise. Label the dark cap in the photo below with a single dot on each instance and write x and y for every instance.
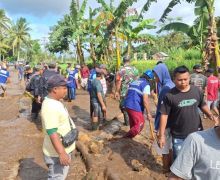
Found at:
(56, 81)
(126, 59)
(197, 66)
(210, 70)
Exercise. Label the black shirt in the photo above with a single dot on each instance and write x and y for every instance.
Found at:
(182, 110)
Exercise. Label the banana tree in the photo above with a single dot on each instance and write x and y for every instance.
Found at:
(211, 48)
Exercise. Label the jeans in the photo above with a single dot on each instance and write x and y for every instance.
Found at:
(177, 146)
(56, 170)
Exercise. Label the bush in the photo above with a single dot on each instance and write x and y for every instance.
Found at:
(142, 66)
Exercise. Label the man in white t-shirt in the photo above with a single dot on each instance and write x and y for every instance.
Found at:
(56, 123)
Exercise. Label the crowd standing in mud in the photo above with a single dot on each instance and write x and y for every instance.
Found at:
(188, 151)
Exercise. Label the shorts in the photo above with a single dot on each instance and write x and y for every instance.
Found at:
(177, 146)
(96, 109)
(55, 169)
(84, 82)
(212, 104)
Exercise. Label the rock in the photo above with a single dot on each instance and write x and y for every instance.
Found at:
(105, 136)
(113, 127)
(96, 147)
(84, 138)
(136, 165)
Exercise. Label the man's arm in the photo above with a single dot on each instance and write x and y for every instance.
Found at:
(63, 156)
(101, 101)
(205, 109)
(118, 86)
(162, 127)
(147, 106)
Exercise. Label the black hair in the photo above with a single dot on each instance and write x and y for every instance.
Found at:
(98, 74)
(180, 70)
(159, 62)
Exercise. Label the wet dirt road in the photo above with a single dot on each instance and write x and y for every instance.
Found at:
(104, 158)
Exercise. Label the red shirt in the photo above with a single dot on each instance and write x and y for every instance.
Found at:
(212, 88)
(85, 72)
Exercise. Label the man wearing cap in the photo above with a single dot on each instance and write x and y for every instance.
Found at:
(97, 101)
(73, 83)
(36, 87)
(198, 79)
(136, 101)
(212, 90)
(124, 77)
(56, 123)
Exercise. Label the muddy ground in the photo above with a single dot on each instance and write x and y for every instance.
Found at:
(100, 156)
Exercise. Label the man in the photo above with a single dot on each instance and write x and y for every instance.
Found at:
(20, 71)
(136, 101)
(73, 83)
(180, 109)
(85, 75)
(212, 90)
(199, 158)
(4, 78)
(163, 79)
(36, 87)
(50, 71)
(56, 123)
(198, 79)
(124, 77)
(97, 99)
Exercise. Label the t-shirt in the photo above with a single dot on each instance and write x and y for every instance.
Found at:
(199, 80)
(96, 87)
(54, 115)
(182, 111)
(199, 158)
(212, 88)
(4, 74)
(104, 85)
(127, 74)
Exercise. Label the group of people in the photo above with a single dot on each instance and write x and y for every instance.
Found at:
(188, 151)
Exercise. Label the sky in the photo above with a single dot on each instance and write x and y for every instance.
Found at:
(43, 14)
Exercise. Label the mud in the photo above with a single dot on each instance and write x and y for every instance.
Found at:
(21, 143)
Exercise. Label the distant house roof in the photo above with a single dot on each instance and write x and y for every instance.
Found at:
(160, 56)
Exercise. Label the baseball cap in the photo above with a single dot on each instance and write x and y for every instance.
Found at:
(210, 70)
(149, 73)
(197, 66)
(38, 67)
(56, 81)
(102, 66)
(78, 66)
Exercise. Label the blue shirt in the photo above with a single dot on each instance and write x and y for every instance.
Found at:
(4, 74)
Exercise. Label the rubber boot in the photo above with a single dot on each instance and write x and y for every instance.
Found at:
(126, 118)
(95, 126)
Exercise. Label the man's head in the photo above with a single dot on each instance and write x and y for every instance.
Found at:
(197, 68)
(77, 66)
(210, 71)
(126, 59)
(52, 65)
(149, 74)
(57, 86)
(181, 77)
(39, 69)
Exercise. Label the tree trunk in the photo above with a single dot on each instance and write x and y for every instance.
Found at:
(211, 55)
(79, 51)
(129, 47)
(117, 49)
(92, 53)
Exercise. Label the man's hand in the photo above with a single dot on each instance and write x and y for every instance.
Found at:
(162, 141)
(38, 99)
(149, 117)
(104, 109)
(64, 159)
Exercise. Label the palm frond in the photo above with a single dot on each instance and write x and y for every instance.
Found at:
(176, 26)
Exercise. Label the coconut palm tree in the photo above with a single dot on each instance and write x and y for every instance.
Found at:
(19, 34)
